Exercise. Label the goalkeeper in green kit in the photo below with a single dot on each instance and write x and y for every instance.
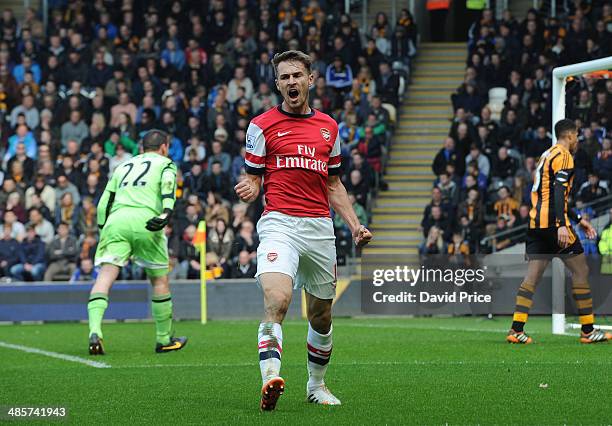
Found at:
(134, 209)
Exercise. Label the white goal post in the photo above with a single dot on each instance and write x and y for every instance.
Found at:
(560, 74)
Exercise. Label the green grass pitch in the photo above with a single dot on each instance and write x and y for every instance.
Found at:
(385, 371)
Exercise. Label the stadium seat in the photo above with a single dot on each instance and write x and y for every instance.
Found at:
(497, 97)
(392, 113)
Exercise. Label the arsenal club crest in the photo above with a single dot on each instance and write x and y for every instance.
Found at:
(272, 257)
(326, 134)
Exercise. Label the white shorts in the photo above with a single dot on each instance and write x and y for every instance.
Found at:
(303, 248)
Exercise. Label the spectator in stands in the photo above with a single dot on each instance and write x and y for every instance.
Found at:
(472, 207)
(539, 144)
(215, 208)
(27, 165)
(27, 110)
(87, 218)
(220, 240)
(387, 84)
(246, 239)
(458, 245)
(75, 129)
(463, 139)
(219, 182)
(434, 243)
(13, 225)
(244, 268)
(503, 241)
(115, 139)
(437, 219)
(510, 133)
(602, 163)
(504, 168)
(92, 187)
(357, 186)
(61, 254)
(448, 155)
(339, 76)
(64, 186)
(44, 228)
(239, 215)
(86, 272)
(448, 188)
(371, 147)
(481, 161)
(218, 155)
(468, 99)
(240, 80)
(593, 189)
(358, 163)
(9, 252)
(506, 206)
(22, 136)
(31, 253)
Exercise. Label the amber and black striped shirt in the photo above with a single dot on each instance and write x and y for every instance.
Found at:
(554, 160)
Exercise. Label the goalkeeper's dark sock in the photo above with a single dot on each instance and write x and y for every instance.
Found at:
(161, 309)
(524, 301)
(584, 302)
(98, 302)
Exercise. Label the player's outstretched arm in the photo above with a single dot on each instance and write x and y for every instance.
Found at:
(339, 201)
(248, 188)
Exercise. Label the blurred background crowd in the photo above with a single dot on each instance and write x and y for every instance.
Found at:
(76, 98)
(502, 124)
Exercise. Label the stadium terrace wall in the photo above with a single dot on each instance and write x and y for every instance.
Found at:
(241, 299)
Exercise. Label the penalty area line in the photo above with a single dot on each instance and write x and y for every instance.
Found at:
(57, 355)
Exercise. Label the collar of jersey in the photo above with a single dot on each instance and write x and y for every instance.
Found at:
(293, 115)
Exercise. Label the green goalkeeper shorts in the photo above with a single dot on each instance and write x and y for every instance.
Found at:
(124, 236)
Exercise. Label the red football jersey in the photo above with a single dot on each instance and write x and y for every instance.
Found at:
(295, 153)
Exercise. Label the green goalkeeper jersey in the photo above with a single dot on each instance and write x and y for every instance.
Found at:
(147, 181)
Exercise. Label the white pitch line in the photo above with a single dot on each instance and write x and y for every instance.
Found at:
(210, 365)
(382, 363)
(50, 354)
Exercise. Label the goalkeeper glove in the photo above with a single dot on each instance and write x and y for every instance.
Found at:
(158, 223)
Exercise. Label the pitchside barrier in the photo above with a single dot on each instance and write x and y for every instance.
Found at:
(389, 285)
(560, 78)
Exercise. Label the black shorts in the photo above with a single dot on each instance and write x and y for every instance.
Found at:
(544, 243)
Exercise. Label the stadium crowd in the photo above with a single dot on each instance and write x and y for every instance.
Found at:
(76, 98)
(502, 124)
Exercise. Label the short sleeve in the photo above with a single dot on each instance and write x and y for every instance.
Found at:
(335, 159)
(255, 158)
(563, 161)
(563, 167)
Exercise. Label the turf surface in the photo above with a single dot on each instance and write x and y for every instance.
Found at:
(385, 371)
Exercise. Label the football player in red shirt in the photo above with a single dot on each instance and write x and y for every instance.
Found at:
(296, 150)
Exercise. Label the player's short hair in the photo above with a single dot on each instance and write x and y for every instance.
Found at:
(563, 127)
(292, 55)
(153, 139)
